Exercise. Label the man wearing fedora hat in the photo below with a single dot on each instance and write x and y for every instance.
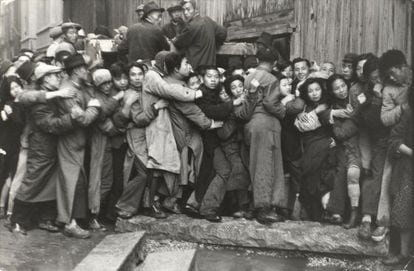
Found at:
(145, 38)
(176, 24)
(72, 186)
(200, 37)
(37, 191)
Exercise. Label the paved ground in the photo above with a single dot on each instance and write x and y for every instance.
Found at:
(42, 251)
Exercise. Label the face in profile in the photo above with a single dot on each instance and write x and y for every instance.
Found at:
(189, 11)
(347, 70)
(194, 82)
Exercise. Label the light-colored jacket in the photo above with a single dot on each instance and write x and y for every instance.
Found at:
(162, 149)
(392, 99)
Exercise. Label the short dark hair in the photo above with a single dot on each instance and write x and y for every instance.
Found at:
(202, 70)
(173, 61)
(192, 74)
(280, 76)
(391, 58)
(269, 55)
(284, 65)
(230, 80)
(117, 69)
(137, 65)
(370, 66)
(303, 89)
(299, 59)
(330, 82)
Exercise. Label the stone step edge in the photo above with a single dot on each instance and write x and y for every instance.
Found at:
(116, 252)
(379, 250)
(176, 260)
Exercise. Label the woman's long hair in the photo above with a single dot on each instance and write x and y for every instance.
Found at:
(303, 90)
(5, 95)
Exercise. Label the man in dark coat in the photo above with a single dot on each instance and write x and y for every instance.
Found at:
(145, 38)
(72, 185)
(200, 38)
(176, 25)
(38, 188)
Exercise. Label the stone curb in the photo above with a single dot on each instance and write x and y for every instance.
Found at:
(289, 235)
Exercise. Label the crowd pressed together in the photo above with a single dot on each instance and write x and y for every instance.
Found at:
(158, 128)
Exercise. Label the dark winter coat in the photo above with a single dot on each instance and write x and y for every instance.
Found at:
(199, 40)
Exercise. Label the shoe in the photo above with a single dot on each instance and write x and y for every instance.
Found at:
(16, 228)
(336, 219)
(156, 212)
(395, 260)
(76, 232)
(364, 231)
(379, 234)
(95, 225)
(353, 219)
(173, 208)
(124, 214)
(266, 216)
(213, 218)
(239, 214)
(48, 226)
(191, 211)
(2, 213)
(7, 221)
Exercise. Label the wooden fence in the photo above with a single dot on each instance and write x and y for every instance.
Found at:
(320, 29)
(327, 29)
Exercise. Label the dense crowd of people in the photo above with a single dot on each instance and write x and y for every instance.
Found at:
(159, 129)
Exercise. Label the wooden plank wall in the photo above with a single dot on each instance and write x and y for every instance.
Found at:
(327, 29)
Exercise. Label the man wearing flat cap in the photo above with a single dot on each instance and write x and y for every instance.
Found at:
(56, 35)
(176, 24)
(37, 191)
(70, 33)
(200, 37)
(145, 39)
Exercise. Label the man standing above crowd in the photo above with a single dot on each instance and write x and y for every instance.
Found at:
(200, 37)
(176, 25)
(145, 38)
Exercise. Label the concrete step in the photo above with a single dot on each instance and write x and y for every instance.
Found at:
(289, 235)
(181, 260)
(115, 252)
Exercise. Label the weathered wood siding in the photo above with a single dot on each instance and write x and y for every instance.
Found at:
(327, 29)
(322, 29)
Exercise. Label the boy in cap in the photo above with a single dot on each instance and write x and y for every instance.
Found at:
(70, 33)
(101, 165)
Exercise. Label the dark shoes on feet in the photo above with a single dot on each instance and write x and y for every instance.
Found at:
(124, 214)
(353, 219)
(76, 232)
(48, 226)
(191, 211)
(156, 212)
(213, 218)
(95, 225)
(15, 228)
(268, 216)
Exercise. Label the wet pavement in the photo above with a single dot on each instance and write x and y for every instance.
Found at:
(43, 251)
